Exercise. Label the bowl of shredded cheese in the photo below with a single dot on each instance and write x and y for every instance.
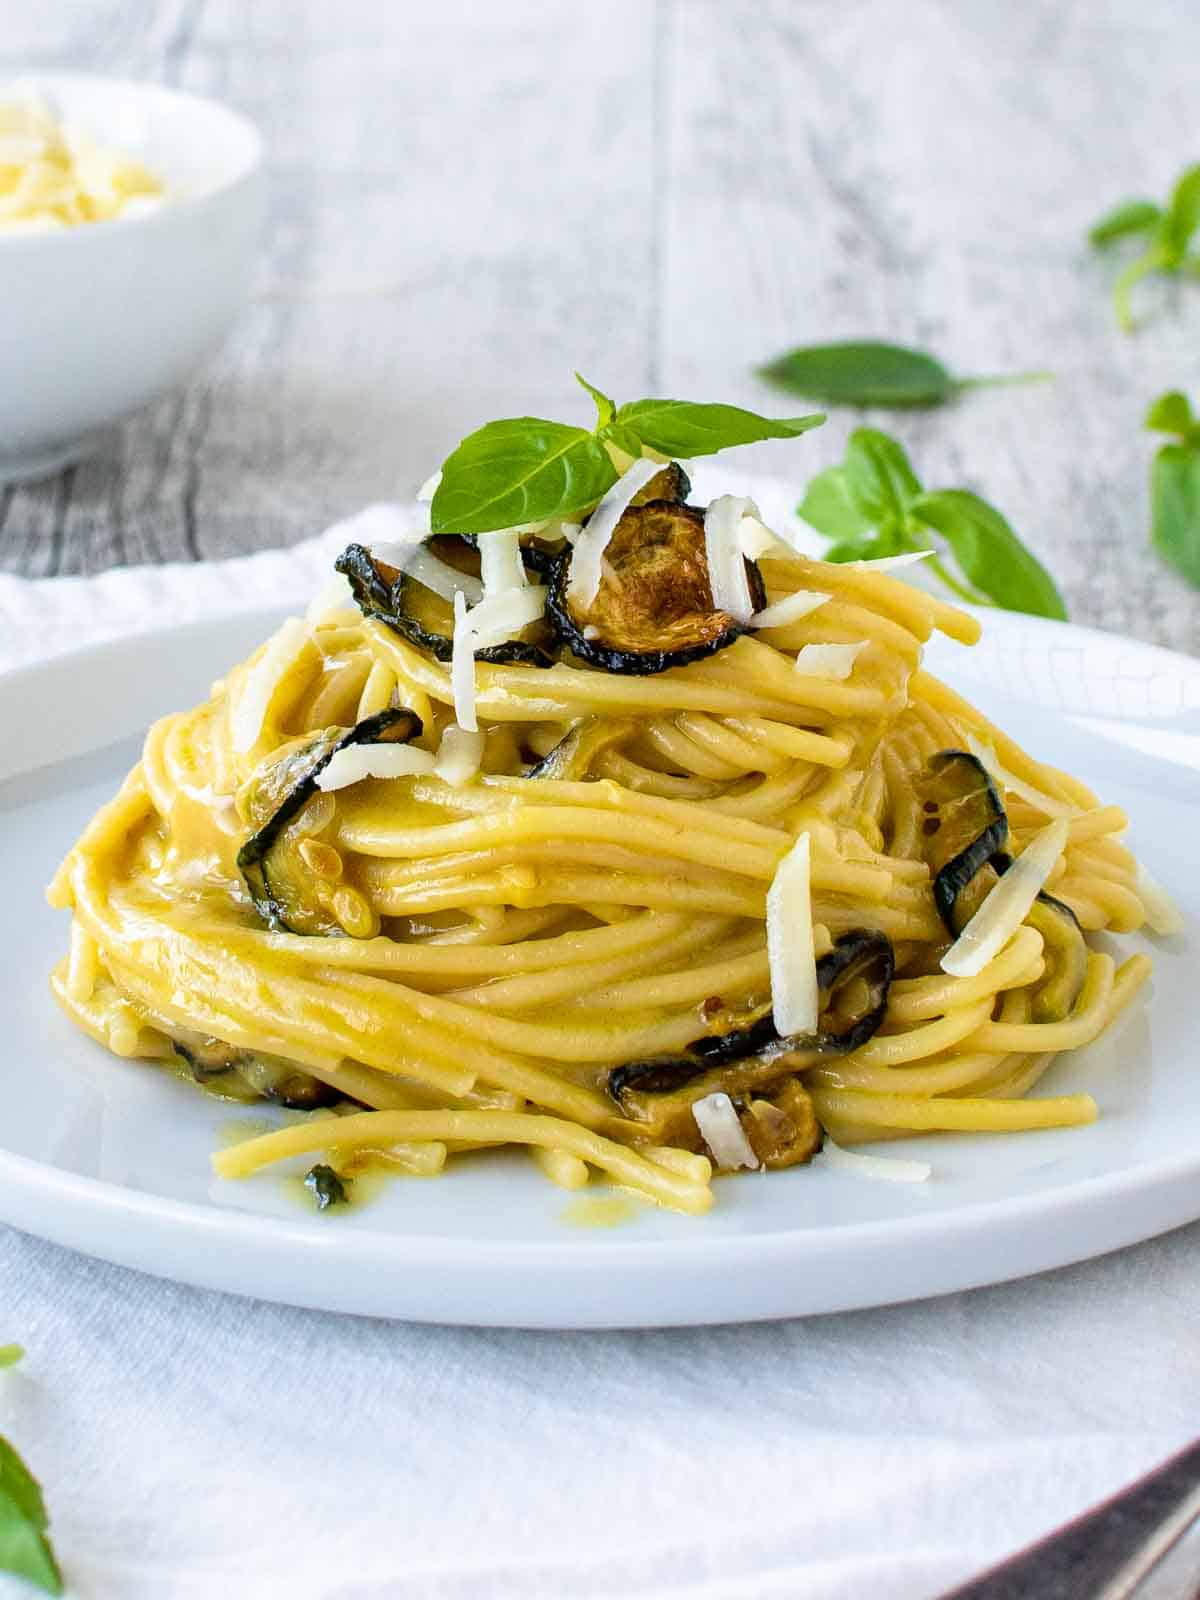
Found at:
(129, 222)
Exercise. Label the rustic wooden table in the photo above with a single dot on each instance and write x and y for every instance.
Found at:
(468, 200)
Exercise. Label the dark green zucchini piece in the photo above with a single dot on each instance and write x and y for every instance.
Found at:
(965, 825)
(574, 753)
(390, 596)
(854, 979)
(783, 1130)
(216, 1064)
(654, 609)
(279, 883)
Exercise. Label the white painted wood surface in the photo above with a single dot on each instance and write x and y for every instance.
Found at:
(471, 199)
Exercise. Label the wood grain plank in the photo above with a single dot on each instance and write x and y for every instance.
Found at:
(461, 213)
(930, 179)
(469, 201)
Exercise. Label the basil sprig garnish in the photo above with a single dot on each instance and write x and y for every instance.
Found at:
(1167, 232)
(867, 372)
(874, 505)
(24, 1543)
(25, 1547)
(1175, 484)
(525, 469)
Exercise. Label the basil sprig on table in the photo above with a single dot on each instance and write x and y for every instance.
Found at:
(526, 469)
(24, 1542)
(1167, 231)
(1175, 484)
(874, 505)
(867, 372)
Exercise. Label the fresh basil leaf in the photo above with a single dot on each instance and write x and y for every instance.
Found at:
(682, 428)
(880, 477)
(522, 469)
(10, 1354)
(866, 372)
(1170, 231)
(24, 1546)
(1123, 221)
(992, 557)
(1182, 217)
(1171, 413)
(1175, 508)
(830, 507)
(1153, 261)
(860, 550)
(606, 409)
(862, 372)
(624, 438)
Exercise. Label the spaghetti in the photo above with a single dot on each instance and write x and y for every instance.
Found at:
(554, 933)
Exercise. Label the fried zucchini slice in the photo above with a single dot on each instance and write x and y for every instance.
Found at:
(277, 802)
(782, 1131)
(854, 979)
(965, 825)
(573, 755)
(400, 602)
(654, 609)
(225, 1068)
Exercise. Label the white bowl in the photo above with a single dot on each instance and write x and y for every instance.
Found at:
(100, 319)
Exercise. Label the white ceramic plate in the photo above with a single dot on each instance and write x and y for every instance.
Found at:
(111, 1157)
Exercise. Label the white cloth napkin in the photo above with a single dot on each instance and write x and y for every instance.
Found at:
(199, 1447)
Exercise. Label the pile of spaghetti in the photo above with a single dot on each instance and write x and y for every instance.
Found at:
(647, 846)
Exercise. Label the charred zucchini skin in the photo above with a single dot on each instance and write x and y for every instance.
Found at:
(291, 1087)
(384, 601)
(639, 663)
(956, 874)
(671, 484)
(860, 952)
(400, 726)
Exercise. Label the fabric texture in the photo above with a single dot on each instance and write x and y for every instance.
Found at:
(194, 1446)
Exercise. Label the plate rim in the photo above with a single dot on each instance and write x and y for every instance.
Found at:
(28, 1184)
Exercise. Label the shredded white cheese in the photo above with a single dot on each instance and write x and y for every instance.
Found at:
(756, 539)
(788, 610)
(499, 617)
(500, 562)
(462, 666)
(430, 487)
(834, 661)
(410, 556)
(55, 177)
(262, 680)
(1163, 916)
(458, 756)
(1007, 904)
(791, 956)
(494, 620)
(359, 761)
(584, 584)
(570, 531)
(887, 1168)
(1046, 804)
(907, 558)
(723, 550)
(722, 1132)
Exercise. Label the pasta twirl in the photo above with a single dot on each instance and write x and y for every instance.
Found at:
(568, 949)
